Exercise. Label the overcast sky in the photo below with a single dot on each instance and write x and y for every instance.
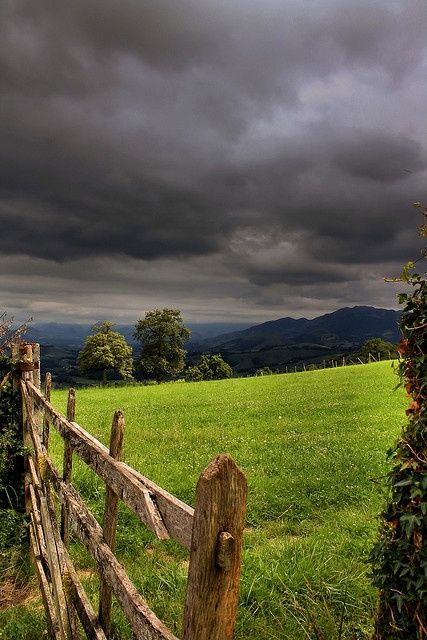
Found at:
(241, 160)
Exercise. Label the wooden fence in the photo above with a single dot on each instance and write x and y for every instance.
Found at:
(212, 532)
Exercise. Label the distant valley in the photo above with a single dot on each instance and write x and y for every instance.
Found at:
(278, 344)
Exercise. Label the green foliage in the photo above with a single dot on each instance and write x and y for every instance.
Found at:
(209, 367)
(375, 346)
(399, 558)
(105, 351)
(162, 335)
(11, 447)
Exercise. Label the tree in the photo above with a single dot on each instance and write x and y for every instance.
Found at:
(210, 367)
(263, 371)
(105, 351)
(162, 335)
(399, 558)
(375, 346)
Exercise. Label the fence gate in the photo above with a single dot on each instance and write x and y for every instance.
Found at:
(212, 532)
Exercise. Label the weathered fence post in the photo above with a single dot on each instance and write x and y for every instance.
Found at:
(68, 469)
(46, 424)
(23, 356)
(214, 571)
(110, 520)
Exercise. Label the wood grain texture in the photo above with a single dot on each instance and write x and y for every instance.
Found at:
(81, 603)
(110, 520)
(67, 469)
(162, 513)
(47, 394)
(144, 622)
(212, 591)
(75, 594)
(51, 619)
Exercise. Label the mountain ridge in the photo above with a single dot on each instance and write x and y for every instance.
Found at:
(290, 341)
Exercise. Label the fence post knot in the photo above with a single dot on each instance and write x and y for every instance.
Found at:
(42, 465)
(225, 549)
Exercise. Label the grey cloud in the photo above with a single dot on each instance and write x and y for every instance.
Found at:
(180, 132)
(380, 156)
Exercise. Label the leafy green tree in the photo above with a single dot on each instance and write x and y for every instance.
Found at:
(375, 346)
(210, 367)
(106, 350)
(162, 335)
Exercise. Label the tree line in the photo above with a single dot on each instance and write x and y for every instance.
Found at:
(162, 336)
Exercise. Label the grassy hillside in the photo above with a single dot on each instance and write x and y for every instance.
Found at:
(312, 446)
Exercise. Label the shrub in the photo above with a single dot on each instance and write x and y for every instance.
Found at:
(210, 367)
(11, 456)
(399, 558)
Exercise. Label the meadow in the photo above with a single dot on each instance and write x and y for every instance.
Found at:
(313, 447)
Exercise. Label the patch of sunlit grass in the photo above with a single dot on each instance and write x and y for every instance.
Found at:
(310, 444)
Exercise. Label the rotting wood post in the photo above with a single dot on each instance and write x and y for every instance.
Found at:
(110, 520)
(25, 364)
(214, 571)
(68, 469)
(46, 423)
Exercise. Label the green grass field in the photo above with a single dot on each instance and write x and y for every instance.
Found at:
(313, 448)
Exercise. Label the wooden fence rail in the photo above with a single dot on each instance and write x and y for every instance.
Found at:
(212, 532)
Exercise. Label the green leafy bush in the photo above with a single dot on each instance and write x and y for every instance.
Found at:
(399, 559)
(209, 367)
(11, 448)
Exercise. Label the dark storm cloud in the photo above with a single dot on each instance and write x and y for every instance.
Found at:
(281, 140)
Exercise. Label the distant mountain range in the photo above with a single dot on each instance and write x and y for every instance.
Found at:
(276, 344)
(290, 341)
(74, 335)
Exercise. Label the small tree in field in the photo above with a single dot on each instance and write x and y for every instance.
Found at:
(210, 367)
(162, 335)
(106, 350)
(399, 559)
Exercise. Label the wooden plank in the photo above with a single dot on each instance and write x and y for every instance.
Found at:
(59, 599)
(110, 520)
(143, 621)
(26, 355)
(50, 531)
(36, 361)
(81, 602)
(47, 393)
(75, 591)
(67, 469)
(69, 613)
(214, 571)
(144, 497)
(51, 618)
(37, 525)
